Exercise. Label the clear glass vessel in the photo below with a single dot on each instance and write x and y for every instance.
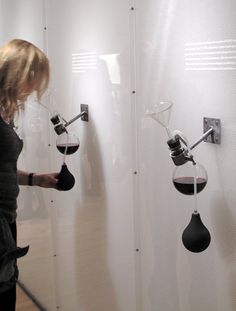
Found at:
(67, 143)
(184, 177)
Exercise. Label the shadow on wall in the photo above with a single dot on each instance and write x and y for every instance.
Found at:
(225, 239)
(224, 214)
(94, 286)
(225, 228)
(164, 281)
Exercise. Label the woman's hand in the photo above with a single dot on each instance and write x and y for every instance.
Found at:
(48, 180)
(45, 180)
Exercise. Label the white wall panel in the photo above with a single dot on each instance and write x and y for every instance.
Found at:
(173, 278)
(22, 19)
(82, 241)
(95, 234)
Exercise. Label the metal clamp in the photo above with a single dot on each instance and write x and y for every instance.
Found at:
(60, 123)
(215, 124)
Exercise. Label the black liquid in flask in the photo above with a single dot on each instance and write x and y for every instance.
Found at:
(68, 148)
(185, 176)
(67, 143)
(185, 185)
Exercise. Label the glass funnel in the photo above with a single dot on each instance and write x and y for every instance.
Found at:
(67, 143)
(184, 177)
(161, 113)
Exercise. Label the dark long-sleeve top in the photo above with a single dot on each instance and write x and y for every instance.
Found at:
(10, 148)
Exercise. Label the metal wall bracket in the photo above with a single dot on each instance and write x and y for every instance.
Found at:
(215, 124)
(85, 116)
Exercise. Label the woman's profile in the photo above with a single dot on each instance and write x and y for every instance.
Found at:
(24, 69)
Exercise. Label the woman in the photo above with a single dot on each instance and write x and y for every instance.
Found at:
(24, 69)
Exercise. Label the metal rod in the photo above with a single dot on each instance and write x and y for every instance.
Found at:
(75, 118)
(206, 134)
(31, 296)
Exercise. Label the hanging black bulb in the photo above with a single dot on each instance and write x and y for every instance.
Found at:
(66, 180)
(196, 237)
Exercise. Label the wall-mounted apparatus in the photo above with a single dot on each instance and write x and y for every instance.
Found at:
(189, 176)
(67, 143)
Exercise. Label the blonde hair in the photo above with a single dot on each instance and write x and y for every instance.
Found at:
(24, 68)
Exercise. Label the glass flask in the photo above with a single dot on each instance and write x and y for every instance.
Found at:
(184, 177)
(67, 143)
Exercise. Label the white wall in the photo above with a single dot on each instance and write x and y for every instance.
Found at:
(22, 19)
(173, 278)
(95, 233)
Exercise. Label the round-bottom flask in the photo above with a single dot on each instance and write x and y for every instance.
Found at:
(185, 175)
(190, 179)
(67, 143)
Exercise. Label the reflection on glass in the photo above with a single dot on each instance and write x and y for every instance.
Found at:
(113, 67)
(83, 61)
(211, 55)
